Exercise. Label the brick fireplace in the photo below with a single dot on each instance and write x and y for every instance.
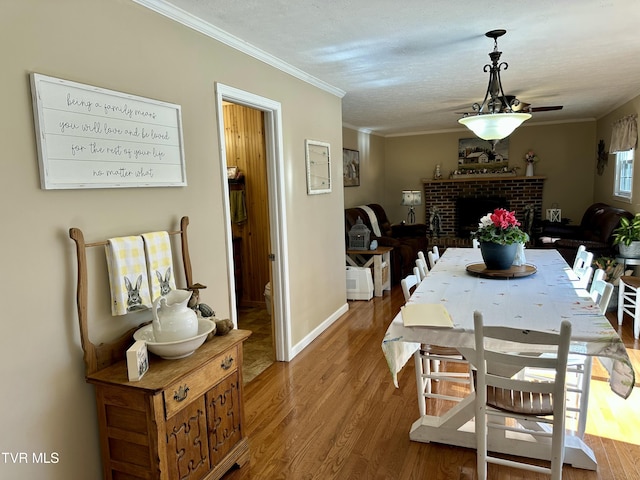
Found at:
(471, 193)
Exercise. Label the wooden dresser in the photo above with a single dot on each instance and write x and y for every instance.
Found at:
(182, 420)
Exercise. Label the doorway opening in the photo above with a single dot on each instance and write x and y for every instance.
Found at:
(248, 205)
(251, 140)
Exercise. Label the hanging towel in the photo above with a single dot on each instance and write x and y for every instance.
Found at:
(127, 275)
(157, 248)
(237, 206)
(372, 219)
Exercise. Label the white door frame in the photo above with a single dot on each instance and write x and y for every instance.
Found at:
(277, 219)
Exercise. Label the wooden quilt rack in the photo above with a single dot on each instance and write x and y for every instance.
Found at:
(97, 357)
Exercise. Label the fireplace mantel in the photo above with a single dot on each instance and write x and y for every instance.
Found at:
(480, 178)
(519, 192)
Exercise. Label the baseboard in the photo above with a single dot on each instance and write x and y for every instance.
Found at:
(316, 332)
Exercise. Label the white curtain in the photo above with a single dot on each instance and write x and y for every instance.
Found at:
(624, 135)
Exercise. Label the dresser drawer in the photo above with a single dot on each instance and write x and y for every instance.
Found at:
(182, 393)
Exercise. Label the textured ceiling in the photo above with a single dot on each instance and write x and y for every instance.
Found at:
(407, 66)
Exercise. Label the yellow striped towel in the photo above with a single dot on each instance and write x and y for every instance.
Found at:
(157, 246)
(127, 275)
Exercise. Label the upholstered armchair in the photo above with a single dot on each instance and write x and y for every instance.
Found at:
(595, 232)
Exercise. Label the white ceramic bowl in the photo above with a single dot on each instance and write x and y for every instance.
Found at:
(178, 348)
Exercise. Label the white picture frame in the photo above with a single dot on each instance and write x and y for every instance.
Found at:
(137, 360)
(91, 137)
(318, 160)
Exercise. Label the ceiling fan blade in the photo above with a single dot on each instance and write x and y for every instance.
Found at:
(546, 109)
(523, 107)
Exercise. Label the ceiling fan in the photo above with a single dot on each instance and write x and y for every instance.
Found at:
(497, 109)
(520, 106)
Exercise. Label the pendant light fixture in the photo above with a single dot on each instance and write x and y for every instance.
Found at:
(494, 118)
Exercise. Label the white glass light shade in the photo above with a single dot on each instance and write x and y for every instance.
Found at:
(411, 198)
(494, 126)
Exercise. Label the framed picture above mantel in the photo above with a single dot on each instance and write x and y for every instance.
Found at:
(477, 157)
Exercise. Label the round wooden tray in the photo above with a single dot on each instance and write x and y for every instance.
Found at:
(481, 270)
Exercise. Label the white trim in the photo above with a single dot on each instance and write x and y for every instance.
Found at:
(316, 332)
(188, 20)
(275, 180)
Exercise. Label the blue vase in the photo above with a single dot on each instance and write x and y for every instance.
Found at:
(498, 257)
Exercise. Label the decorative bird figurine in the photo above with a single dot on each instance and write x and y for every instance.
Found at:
(223, 326)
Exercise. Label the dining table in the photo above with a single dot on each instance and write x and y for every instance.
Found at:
(540, 297)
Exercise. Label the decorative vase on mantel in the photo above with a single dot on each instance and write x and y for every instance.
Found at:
(497, 256)
(529, 170)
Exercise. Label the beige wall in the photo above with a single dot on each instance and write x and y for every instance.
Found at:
(567, 152)
(604, 183)
(119, 45)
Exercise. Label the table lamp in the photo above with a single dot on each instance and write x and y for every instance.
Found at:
(411, 198)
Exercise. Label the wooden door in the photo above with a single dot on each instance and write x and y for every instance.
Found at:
(224, 417)
(187, 445)
(246, 149)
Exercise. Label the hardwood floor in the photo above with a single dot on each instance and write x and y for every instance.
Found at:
(334, 413)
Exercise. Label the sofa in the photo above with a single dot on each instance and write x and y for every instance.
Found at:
(595, 232)
(406, 240)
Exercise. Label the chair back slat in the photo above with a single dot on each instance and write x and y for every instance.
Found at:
(501, 390)
(422, 267)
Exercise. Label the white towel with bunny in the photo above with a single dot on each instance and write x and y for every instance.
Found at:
(127, 275)
(157, 246)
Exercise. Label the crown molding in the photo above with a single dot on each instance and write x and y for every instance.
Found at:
(188, 20)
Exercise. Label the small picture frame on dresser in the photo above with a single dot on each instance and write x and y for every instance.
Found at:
(137, 360)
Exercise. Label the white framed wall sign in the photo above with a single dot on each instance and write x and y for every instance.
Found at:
(90, 137)
(318, 156)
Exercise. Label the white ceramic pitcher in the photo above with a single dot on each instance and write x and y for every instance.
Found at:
(172, 319)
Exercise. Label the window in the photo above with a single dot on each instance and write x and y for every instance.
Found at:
(624, 174)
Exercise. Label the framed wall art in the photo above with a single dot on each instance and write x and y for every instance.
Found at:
(318, 156)
(351, 167)
(90, 137)
(475, 154)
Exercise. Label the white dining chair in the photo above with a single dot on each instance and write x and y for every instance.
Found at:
(498, 394)
(578, 366)
(582, 267)
(433, 256)
(628, 287)
(428, 360)
(578, 381)
(409, 283)
(422, 267)
(601, 290)
(416, 272)
(422, 257)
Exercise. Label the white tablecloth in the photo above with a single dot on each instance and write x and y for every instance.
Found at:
(537, 302)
